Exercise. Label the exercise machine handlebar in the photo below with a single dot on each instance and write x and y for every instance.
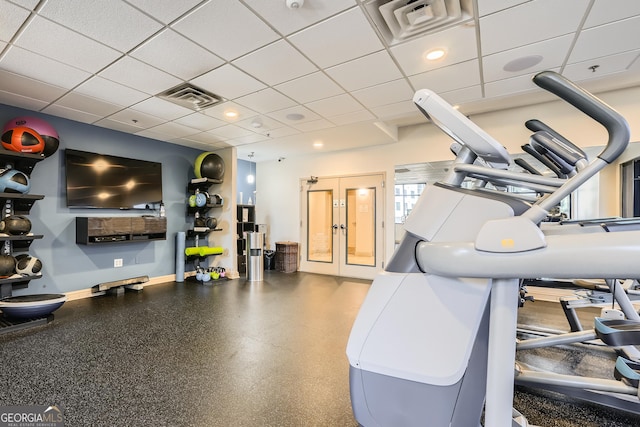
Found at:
(616, 126)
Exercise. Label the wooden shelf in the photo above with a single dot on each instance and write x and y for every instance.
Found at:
(103, 230)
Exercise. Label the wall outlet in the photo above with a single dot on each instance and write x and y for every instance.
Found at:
(117, 262)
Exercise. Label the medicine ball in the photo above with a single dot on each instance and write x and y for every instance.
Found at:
(15, 224)
(202, 199)
(23, 140)
(209, 165)
(14, 181)
(7, 265)
(211, 222)
(192, 200)
(27, 264)
(44, 129)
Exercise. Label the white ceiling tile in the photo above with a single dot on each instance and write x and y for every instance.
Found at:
(227, 28)
(608, 65)
(607, 40)
(602, 11)
(460, 96)
(510, 86)
(147, 133)
(287, 21)
(228, 82)
(339, 39)
(275, 63)
(314, 125)
(138, 75)
(114, 23)
(38, 67)
(80, 102)
(99, 87)
(30, 4)
(281, 115)
(204, 137)
(334, 106)
(160, 108)
(265, 101)
(136, 118)
(2, 46)
(357, 116)
(71, 114)
(56, 42)
(173, 53)
(249, 139)
(459, 44)
(282, 132)
(515, 27)
(11, 19)
(29, 87)
(552, 52)
(165, 11)
(310, 88)
(486, 7)
(218, 112)
(229, 132)
(367, 71)
(116, 125)
(392, 111)
(173, 130)
(200, 121)
(25, 102)
(449, 78)
(386, 93)
(265, 124)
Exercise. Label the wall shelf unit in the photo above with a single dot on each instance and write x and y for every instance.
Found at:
(103, 230)
(245, 222)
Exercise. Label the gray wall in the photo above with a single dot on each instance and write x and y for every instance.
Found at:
(67, 266)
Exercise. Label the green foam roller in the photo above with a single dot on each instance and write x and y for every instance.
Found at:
(203, 251)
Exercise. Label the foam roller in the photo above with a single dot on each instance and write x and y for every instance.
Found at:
(203, 251)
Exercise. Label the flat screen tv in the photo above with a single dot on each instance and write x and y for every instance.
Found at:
(102, 181)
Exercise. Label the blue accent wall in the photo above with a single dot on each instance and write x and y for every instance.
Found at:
(244, 169)
(68, 266)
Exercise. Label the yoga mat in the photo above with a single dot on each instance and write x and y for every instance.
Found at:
(180, 244)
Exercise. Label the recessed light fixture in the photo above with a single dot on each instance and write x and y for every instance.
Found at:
(435, 54)
(318, 144)
(231, 114)
(295, 116)
(522, 63)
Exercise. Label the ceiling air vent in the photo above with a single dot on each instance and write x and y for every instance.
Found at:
(401, 20)
(192, 97)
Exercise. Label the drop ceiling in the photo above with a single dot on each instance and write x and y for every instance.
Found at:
(335, 73)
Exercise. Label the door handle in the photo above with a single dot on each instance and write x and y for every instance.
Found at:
(334, 226)
(343, 227)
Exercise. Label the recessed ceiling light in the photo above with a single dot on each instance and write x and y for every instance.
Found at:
(231, 114)
(295, 116)
(435, 54)
(318, 144)
(522, 63)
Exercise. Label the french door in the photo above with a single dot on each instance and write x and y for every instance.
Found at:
(342, 225)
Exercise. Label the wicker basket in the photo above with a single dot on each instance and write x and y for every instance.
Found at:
(287, 257)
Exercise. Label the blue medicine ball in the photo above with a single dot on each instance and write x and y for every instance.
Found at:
(14, 181)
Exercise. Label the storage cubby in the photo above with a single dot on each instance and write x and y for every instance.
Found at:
(245, 222)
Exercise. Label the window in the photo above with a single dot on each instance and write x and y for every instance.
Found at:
(406, 196)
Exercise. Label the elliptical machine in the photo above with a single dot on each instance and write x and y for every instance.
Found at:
(434, 341)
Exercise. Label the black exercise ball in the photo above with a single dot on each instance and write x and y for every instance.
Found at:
(16, 225)
(7, 265)
(209, 165)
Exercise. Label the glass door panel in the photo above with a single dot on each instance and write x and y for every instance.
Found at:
(361, 223)
(319, 226)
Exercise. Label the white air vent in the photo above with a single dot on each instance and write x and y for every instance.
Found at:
(401, 20)
(192, 97)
